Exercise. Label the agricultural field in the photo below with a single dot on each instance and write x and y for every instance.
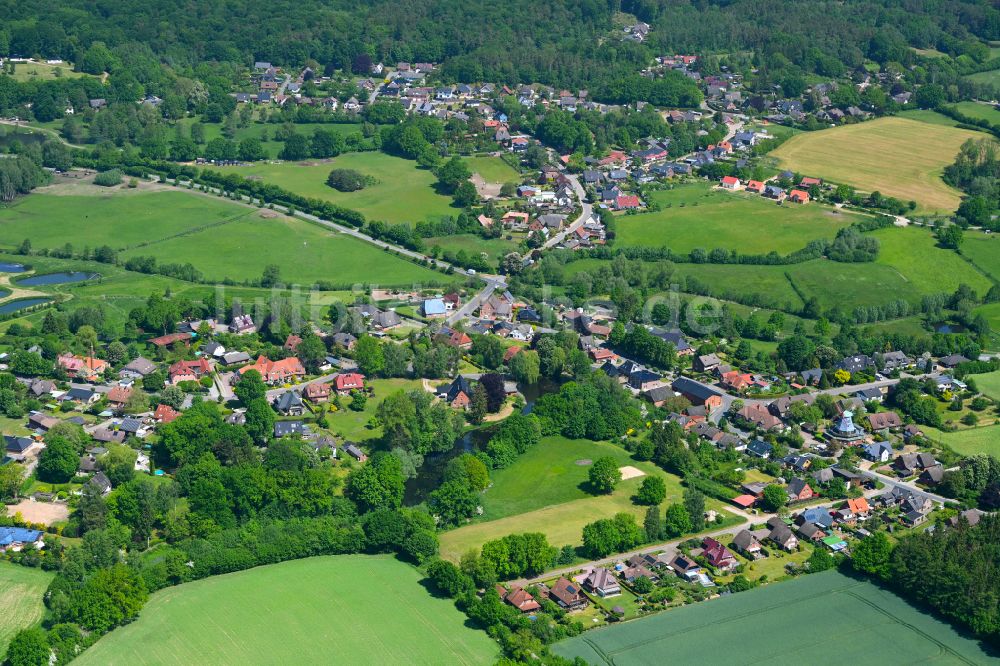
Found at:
(698, 216)
(493, 169)
(990, 77)
(120, 218)
(241, 249)
(21, 592)
(928, 116)
(776, 625)
(403, 192)
(354, 609)
(898, 157)
(545, 490)
(984, 251)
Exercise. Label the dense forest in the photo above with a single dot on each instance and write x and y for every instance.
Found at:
(566, 43)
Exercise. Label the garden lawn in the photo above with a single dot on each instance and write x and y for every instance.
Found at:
(926, 268)
(353, 426)
(348, 609)
(120, 218)
(863, 625)
(21, 592)
(898, 157)
(546, 491)
(306, 253)
(984, 251)
(493, 169)
(696, 216)
(403, 192)
(474, 244)
(971, 441)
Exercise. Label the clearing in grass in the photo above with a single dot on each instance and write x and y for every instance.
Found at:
(347, 609)
(403, 192)
(21, 593)
(898, 157)
(493, 169)
(698, 216)
(306, 253)
(43, 71)
(775, 624)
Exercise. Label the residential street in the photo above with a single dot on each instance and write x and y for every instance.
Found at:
(587, 210)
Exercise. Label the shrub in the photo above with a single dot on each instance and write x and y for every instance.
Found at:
(347, 180)
(109, 178)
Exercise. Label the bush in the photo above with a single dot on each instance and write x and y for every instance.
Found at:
(348, 180)
(109, 178)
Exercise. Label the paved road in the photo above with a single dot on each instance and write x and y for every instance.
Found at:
(586, 211)
(908, 485)
(473, 303)
(325, 379)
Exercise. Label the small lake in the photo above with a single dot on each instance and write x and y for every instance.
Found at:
(14, 306)
(6, 267)
(24, 138)
(55, 278)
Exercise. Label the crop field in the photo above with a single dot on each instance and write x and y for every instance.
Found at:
(898, 157)
(695, 216)
(776, 624)
(984, 251)
(970, 441)
(493, 169)
(118, 218)
(348, 609)
(545, 490)
(241, 249)
(21, 592)
(403, 192)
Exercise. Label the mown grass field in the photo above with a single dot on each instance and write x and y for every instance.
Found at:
(403, 192)
(928, 116)
(777, 624)
(306, 252)
(493, 169)
(120, 218)
(21, 592)
(926, 268)
(698, 216)
(970, 441)
(546, 491)
(898, 157)
(43, 71)
(985, 112)
(349, 609)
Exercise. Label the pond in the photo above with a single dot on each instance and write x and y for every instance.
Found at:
(6, 267)
(14, 306)
(24, 138)
(56, 278)
(431, 473)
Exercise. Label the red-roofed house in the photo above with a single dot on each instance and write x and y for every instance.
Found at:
(188, 371)
(745, 501)
(87, 367)
(165, 414)
(730, 182)
(292, 343)
(511, 353)
(316, 392)
(799, 196)
(171, 338)
(809, 182)
(601, 354)
(118, 396)
(627, 202)
(718, 555)
(349, 381)
(755, 186)
(276, 372)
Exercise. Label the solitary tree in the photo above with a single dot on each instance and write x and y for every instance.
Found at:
(604, 474)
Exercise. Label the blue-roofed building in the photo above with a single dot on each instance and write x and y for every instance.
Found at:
(434, 307)
(16, 538)
(760, 448)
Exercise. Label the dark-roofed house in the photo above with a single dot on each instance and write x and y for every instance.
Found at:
(952, 361)
(289, 403)
(290, 429)
(747, 543)
(101, 482)
(783, 537)
(698, 393)
(932, 475)
(706, 362)
(602, 582)
(884, 421)
(458, 394)
(567, 594)
(760, 449)
(799, 491)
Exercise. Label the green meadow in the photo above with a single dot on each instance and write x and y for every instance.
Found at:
(403, 192)
(493, 169)
(697, 216)
(21, 592)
